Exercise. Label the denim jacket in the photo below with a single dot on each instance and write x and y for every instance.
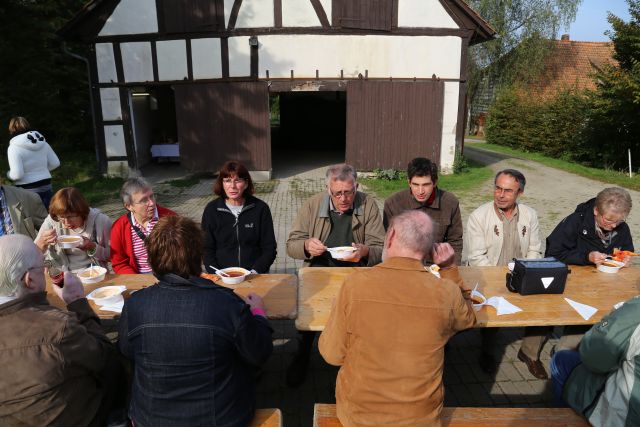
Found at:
(194, 345)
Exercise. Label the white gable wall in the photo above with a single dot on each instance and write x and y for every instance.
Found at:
(228, 4)
(382, 56)
(172, 60)
(298, 13)
(110, 103)
(423, 13)
(239, 56)
(206, 58)
(326, 5)
(449, 124)
(255, 14)
(136, 61)
(106, 63)
(132, 17)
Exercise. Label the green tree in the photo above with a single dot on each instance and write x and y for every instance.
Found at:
(37, 79)
(523, 28)
(614, 119)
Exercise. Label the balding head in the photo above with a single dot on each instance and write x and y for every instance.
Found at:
(410, 235)
(18, 254)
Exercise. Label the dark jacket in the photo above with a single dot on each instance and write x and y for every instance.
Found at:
(248, 241)
(575, 237)
(193, 345)
(444, 211)
(50, 360)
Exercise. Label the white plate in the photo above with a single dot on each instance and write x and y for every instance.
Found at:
(107, 294)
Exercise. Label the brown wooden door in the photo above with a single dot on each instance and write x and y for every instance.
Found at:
(223, 121)
(390, 123)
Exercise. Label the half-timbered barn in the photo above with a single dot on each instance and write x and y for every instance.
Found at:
(381, 80)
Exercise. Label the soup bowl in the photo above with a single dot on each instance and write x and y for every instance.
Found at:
(235, 275)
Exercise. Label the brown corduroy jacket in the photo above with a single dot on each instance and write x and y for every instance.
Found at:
(313, 221)
(50, 360)
(387, 331)
(444, 211)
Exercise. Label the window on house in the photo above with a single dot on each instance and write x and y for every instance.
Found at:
(192, 15)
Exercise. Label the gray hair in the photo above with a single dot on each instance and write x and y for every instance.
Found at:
(18, 254)
(515, 174)
(341, 172)
(614, 199)
(132, 186)
(414, 231)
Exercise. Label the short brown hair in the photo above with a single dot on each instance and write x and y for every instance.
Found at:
(230, 168)
(18, 125)
(68, 200)
(175, 246)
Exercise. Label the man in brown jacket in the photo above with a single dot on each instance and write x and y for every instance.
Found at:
(423, 194)
(58, 367)
(342, 216)
(389, 326)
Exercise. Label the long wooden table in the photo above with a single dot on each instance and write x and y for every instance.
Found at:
(318, 287)
(277, 290)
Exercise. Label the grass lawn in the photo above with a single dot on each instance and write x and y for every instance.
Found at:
(459, 184)
(604, 175)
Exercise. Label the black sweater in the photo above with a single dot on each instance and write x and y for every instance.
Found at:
(575, 237)
(247, 242)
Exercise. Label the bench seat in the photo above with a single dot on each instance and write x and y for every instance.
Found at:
(324, 415)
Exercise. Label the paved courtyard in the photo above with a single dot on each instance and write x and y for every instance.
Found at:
(466, 384)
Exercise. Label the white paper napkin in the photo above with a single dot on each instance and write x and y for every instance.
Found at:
(115, 306)
(586, 311)
(618, 305)
(501, 304)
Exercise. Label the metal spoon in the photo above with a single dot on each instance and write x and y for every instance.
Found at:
(219, 272)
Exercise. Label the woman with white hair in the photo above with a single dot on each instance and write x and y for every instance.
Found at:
(63, 369)
(128, 253)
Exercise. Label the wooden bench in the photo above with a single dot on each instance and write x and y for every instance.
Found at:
(267, 418)
(324, 415)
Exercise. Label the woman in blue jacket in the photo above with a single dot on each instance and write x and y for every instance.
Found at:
(238, 228)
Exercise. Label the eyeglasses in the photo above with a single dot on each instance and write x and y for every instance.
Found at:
(231, 181)
(611, 222)
(68, 218)
(149, 199)
(347, 193)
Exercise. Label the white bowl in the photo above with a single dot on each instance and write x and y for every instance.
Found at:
(93, 274)
(340, 252)
(107, 295)
(69, 242)
(477, 296)
(234, 280)
(612, 268)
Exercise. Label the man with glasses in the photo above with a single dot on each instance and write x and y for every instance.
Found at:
(20, 211)
(497, 232)
(58, 366)
(128, 253)
(423, 194)
(588, 236)
(342, 216)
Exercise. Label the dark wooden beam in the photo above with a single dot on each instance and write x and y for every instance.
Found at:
(224, 52)
(189, 60)
(117, 58)
(101, 149)
(154, 60)
(394, 16)
(254, 61)
(277, 13)
(162, 28)
(233, 16)
(127, 128)
(322, 15)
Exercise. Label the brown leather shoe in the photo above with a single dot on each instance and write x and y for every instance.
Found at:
(535, 366)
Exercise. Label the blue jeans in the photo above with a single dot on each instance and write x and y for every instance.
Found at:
(561, 366)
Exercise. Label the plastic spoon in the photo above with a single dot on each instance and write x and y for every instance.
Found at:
(219, 272)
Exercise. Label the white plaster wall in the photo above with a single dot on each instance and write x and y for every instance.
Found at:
(239, 56)
(110, 102)
(424, 13)
(383, 56)
(256, 14)
(132, 17)
(299, 13)
(136, 61)
(206, 58)
(449, 124)
(106, 63)
(172, 59)
(114, 141)
(228, 4)
(326, 5)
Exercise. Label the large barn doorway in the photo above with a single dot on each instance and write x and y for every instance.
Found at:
(308, 130)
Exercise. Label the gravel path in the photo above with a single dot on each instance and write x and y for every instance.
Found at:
(553, 193)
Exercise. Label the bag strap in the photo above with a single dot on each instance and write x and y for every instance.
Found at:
(137, 230)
